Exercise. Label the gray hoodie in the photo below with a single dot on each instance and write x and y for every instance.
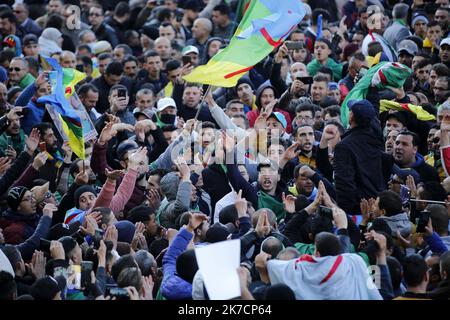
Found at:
(177, 201)
(399, 222)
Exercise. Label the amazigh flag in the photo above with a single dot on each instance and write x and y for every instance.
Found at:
(241, 9)
(383, 75)
(70, 76)
(70, 120)
(265, 25)
(421, 114)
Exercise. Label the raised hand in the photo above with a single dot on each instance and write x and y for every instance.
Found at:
(107, 134)
(147, 288)
(49, 209)
(411, 184)
(183, 168)
(57, 250)
(195, 221)
(37, 265)
(114, 174)
(5, 164)
(32, 141)
(39, 160)
(291, 152)
(14, 113)
(82, 178)
(112, 235)
(119, 127)
(188, 127)
(241, 205)
(137, 158)
(340, 218)
(288, 202)
(153, 198)
(263, 226)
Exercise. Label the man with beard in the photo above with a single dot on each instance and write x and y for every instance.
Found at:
(441, 90)
(433, 158)
(12, 141)
(49, 171)
(358, 160)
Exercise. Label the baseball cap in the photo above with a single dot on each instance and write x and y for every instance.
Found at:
(124, 147)
(47, 287)
(102, 46)
(189, 49)
(280, 118)
(30, 39)
(333, 86)
(409, 46)
(146, 113)
(362, 110)
(445, 41)
(165, 103)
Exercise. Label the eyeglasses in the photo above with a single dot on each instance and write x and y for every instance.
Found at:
(304, 118)
(48, 195)
(16, 69)
(30, 198)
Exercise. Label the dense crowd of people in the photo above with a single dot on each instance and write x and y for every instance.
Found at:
(329, 160)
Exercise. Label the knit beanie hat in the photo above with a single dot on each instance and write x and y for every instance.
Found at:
(125, 231)
(15, 196)
(80, 191)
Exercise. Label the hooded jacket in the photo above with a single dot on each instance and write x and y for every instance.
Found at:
(17, 227)
(177, 201)
(399, 222)
(253, 115)
(359, 167)
(425, 171)
(173, 287)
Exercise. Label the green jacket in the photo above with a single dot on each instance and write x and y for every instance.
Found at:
(17, 142)
(26, 81)
(314, 66)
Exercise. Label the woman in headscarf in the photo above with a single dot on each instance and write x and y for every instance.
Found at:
(213, 46)
(50, 41)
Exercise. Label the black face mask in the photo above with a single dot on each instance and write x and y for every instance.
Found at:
(168, 118)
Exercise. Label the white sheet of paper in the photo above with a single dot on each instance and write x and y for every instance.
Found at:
(218, 263)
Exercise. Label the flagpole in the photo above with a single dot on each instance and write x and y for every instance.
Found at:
(201, 102)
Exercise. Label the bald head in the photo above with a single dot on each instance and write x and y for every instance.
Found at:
(163, 47)
(298, 69)
(202, 29)
(68, 60)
